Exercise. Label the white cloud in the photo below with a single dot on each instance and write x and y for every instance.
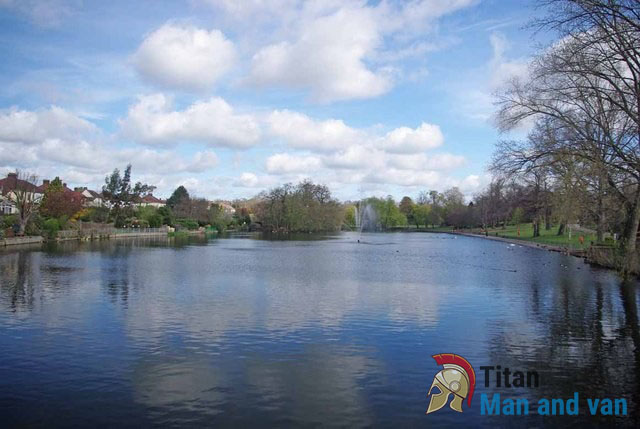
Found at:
(184, 57)
(356, 157)
(56, 142)
(255, 182)
(99, 157)
(31, 127)
(301, 131)
(407, 140)
(440, 161)
(285, 163)
(338, 50)
(213, 122)
(247, 179)
(328, 58)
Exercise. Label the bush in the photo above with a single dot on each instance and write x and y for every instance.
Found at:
(99, 214)
(8, 221)
(51, 227)
(120, 221)
(188, 223)
(167, 215)
(155, 220)
(139, 223)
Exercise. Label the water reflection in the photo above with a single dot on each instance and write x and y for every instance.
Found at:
(16, 282)
(236, 331)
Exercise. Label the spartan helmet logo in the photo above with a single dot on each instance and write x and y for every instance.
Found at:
(457, 378)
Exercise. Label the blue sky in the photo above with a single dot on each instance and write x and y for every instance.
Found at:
(232, 97)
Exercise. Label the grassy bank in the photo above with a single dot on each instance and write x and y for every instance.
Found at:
(524, 231)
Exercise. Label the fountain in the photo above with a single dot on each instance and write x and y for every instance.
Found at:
(366, 218)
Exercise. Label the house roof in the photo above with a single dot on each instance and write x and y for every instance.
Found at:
(12, 182)
(91, 195)
(42, 188)
(149, 198)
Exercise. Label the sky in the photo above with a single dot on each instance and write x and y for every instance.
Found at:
(229, 97)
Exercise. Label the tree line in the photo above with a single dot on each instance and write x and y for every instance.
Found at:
(581, 160)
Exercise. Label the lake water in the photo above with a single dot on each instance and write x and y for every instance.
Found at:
(249, 332)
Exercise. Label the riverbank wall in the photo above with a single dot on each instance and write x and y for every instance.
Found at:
(104, 232)
(14, 241)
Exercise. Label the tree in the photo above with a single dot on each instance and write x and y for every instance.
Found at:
(587, 86)
(150, 215)
(58, 202)
(178, 196)
(517, 216)
(168, 217)
(193, 208)
(25, 198)
(218, 218)
(405, 206)
(420, 214)
(350, 216)
(305, 207)
(389, 215)
(121, 195)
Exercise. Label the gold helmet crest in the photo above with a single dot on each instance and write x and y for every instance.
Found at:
(457, 378)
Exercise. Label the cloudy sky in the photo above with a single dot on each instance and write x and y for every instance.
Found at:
(231, 97)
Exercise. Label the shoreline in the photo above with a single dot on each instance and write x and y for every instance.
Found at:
(585, 255)
(33, 241)
(549, 247)
(12, 242)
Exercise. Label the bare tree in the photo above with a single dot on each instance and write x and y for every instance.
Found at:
(587, 87)
(25, 198)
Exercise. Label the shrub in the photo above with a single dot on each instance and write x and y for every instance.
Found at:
(9, 220)
(51, 227)
(187, 223)
(155, 220)
(167, 215)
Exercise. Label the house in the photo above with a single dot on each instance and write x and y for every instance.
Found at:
(7, 207)
(227, 208)
(91, 198)
(150, 200)
(10, 184)
(45, 184)
(69, 193)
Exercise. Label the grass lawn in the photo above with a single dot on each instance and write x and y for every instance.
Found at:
(546, 236)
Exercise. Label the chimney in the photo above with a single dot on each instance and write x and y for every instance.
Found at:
(45, 182)
(64, 185)
(12, 181)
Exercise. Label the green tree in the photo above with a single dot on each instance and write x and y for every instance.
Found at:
(420, 214)
(306, 207)
(350, 216)
(167, 215)
(390, 214)
(150, 215)
(121, 196)
(517, 216)
(180, 194)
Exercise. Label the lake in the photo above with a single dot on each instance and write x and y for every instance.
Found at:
(318, 331)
